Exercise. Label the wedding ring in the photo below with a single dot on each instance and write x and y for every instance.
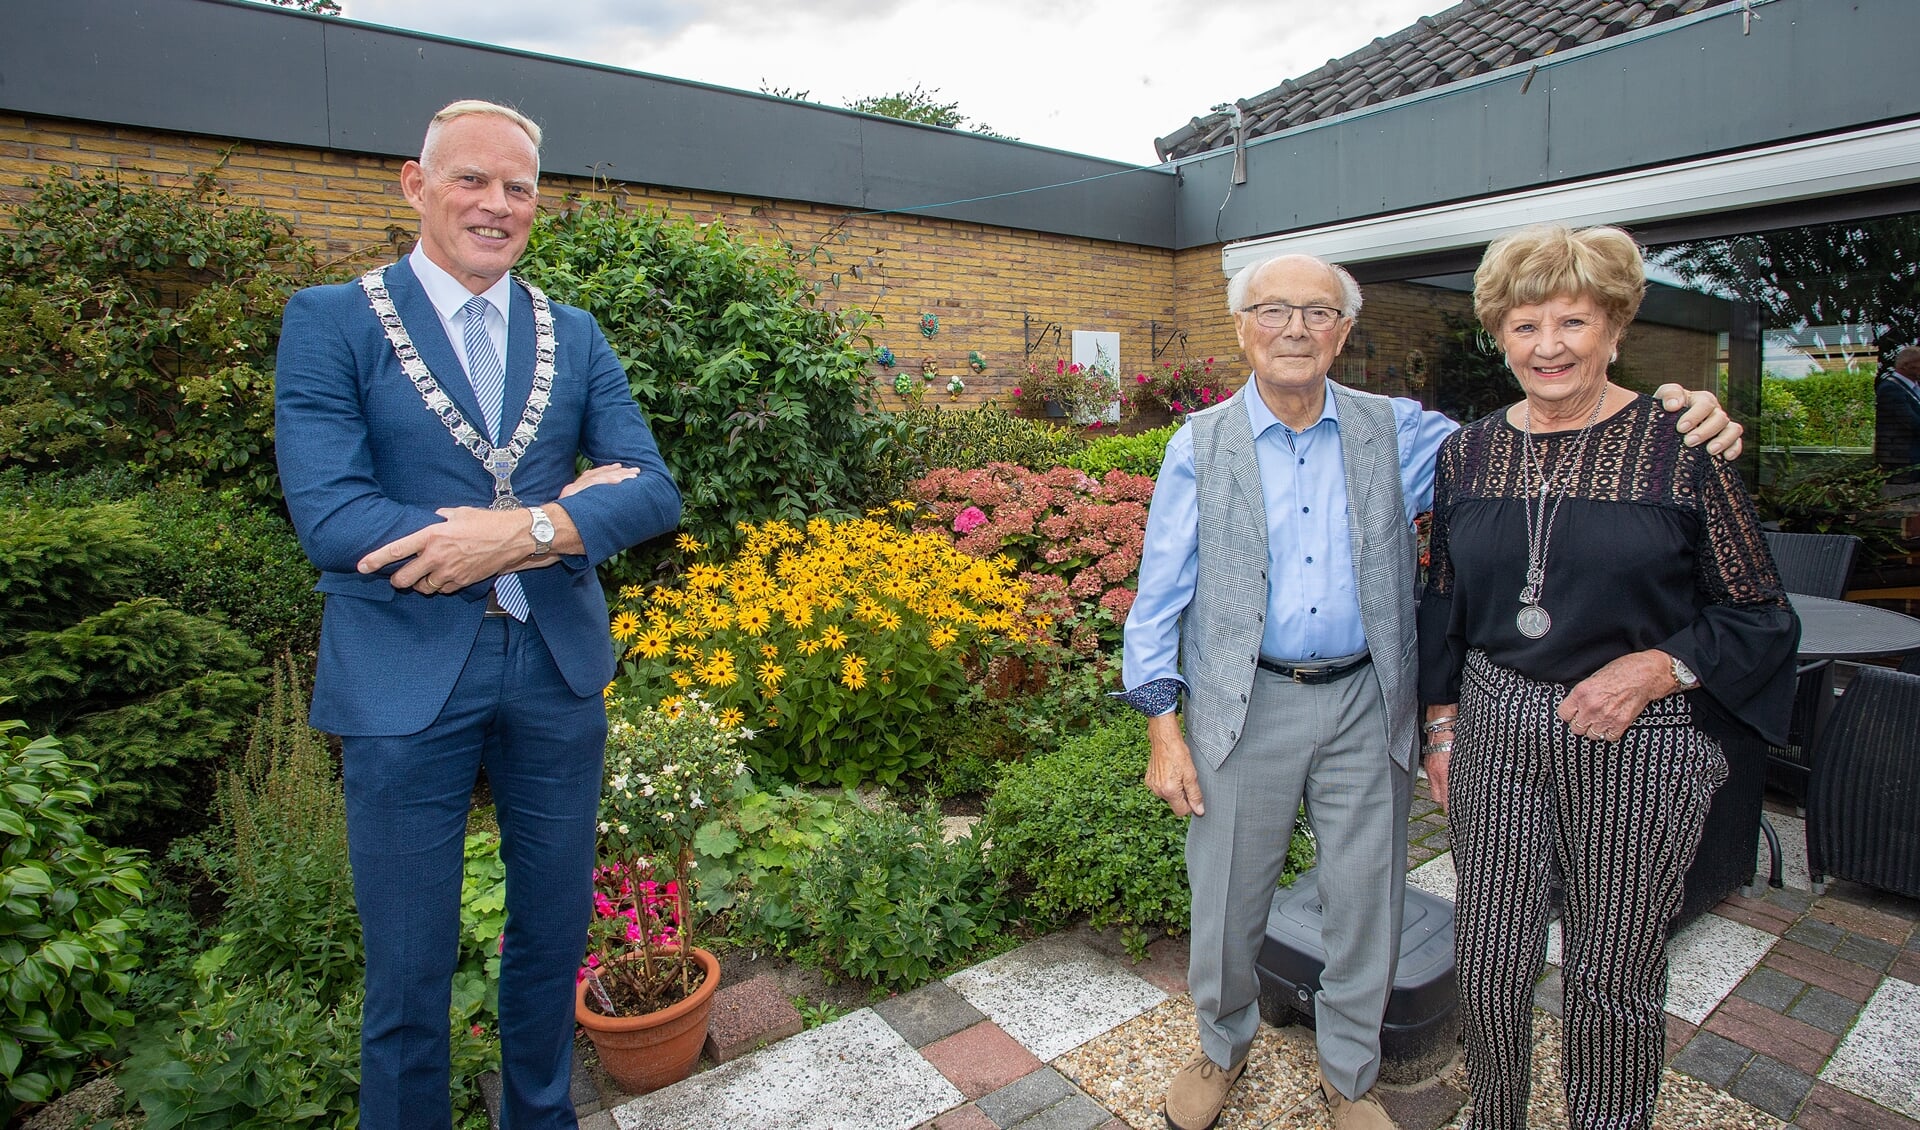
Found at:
(431, 586)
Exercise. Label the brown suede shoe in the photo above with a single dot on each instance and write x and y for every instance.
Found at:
(1363, 1113)
(1195, 1096)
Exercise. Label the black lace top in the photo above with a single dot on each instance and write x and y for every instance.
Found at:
(1655, 545)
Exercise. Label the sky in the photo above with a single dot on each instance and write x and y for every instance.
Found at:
(1101, 78)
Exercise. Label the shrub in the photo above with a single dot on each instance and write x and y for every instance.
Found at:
(1078, 829)
(966, 439)
(211, 552)
(886, 901)
(1138, 454)
(835, 644)
(69, 915)
(1179, 388)
(138, 327)
(757, 393)
(1076, 539)
(288, 884)
(763, 834)
(267, 1054)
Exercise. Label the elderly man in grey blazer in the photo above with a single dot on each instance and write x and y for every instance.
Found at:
(1276, 594)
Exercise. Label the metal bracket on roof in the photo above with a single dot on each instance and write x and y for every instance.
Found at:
(1747, 17)
(1032, 342)
(1174, 334)
(1239, 119)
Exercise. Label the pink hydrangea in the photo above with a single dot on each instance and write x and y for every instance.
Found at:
(969, 520)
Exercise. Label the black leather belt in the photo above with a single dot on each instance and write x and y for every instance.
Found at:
(1321, 673)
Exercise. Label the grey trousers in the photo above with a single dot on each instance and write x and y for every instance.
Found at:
(1328, 743)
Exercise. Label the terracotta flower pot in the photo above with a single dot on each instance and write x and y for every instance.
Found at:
(645, 1053)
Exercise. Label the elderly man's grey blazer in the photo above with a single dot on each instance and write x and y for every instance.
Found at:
(1221, 629)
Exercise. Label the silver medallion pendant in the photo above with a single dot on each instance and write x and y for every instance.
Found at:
(1533, 621)
(506, 502)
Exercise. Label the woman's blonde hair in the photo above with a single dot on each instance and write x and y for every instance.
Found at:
(1553, 261)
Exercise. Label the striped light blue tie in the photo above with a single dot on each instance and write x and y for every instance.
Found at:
(489, 378)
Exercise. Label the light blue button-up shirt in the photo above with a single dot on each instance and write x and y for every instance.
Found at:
(1313, 613)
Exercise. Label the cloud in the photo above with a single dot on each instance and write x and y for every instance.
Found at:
(1098, 78)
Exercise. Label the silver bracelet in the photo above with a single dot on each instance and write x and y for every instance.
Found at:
(1439, 747)
(1440, 724)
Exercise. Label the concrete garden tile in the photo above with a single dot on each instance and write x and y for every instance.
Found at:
(752, 1014)
(968, 1117)
(1773, 1087)
(1815, 934)
(1770, 988)
(980, 1059)
(1055, 994)
(1870, 952)
(1829, 1012)
(1855, 982)
(1075, 1112)
(929, 1013)
(856, 1071)
(1026, 1096)
(1436, 877)
(1829, 1108)
(1800, 1046)
(1706, 960)
(1880, 1058)
(1712, 1059)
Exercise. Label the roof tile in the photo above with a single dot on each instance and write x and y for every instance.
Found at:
(1470, 38)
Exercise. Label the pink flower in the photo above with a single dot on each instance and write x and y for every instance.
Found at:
(969, 520)
(1140, 377)
(1060, 367)
(1019, 392)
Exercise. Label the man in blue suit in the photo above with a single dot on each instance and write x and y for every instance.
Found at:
(429, 416)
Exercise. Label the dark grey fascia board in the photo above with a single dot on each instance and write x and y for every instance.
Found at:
(225, 68)
(1687, 88)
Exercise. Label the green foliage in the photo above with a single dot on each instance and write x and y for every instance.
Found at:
(1138, 454)
(483, 923)
(288, 883)
(886, 901)
(1470, 375)
(208, 552)
(1082, 835)
(267, 1054)
(764, 833)
(69, 920)
(138, 327)
(757, 393)
(1822, 409)
(1834, 498)
(916, 105)
(966, 439)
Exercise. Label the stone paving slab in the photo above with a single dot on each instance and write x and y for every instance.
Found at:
(750, 1015)
(929, 1013)
(1880, 1058)
(856, 1071)
(1055, 994)
(1706, 960)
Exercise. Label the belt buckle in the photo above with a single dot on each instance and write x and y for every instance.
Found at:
(1310, 675)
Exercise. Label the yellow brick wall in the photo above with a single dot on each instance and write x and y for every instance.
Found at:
(978, 279)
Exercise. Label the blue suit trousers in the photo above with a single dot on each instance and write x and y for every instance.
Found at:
(543, 748)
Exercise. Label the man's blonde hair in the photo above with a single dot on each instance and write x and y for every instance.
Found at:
(467, 107)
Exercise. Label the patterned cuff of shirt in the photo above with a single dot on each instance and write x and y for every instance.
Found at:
(1155, 698)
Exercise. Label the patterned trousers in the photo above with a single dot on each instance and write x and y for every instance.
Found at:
(1617, 823)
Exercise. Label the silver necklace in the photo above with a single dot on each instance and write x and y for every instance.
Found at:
(1533, 620)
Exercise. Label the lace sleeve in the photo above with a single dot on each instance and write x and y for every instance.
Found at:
(1443, 651)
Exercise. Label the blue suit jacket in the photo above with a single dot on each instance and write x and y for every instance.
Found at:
(363, 462)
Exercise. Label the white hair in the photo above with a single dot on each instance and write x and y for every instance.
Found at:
(1349, 290)
(468, 107)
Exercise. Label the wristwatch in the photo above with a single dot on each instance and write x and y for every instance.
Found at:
(1684, 675)
(543, 533)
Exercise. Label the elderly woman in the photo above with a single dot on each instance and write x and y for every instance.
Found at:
(1601, 613)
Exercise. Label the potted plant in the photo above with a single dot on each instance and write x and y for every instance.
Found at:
(1178, 388)
(646, 989)
(1080, 393)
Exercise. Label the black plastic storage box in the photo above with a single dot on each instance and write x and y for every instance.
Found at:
(1422, 1028)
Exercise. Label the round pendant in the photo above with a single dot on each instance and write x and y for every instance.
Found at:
(506, 502)
(1533, 621)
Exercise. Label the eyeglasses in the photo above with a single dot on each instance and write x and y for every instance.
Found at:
(1278, 315)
